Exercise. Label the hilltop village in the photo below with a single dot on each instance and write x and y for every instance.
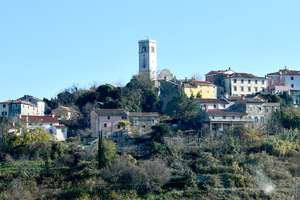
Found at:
(232, 135)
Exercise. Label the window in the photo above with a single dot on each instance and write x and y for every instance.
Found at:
(207, 91)
(224, 117)
(242, 88)
(50, 124)
(4, 106)
(259, 108)
(105, 133)
(215, 106)
(249, 81)
(223, 106)
(242, 81)
(108, 117)
(4, 113)
(241, 117)
(255, 119)
(234, 80)
(262, 119)
(282, 78)
(292, 78)
(263, 82)
(233, 117)
(292, 85)
(124, 117)
(263, 89)
(17, 106)
(152, 49)
(207, 77)
(255, 89)
(234, 88)
(200, 91)
(249, 89)
(144, 49)
(249, 117)
(267, 109)
(191, 91)
(135, 121)
(212, 117)
(250, 108)
(152, 121)
(255, 81)
(119, 126)
(274, 77)
(105, 125)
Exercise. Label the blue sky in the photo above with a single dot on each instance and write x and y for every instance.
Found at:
(47, 46)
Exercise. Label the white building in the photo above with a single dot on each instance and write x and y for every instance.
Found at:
(49, 123)
(148, 58)
(40, 105)
(10, 108)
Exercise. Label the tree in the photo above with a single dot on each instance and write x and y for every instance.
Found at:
(149, 100)
(183, 108)
(66, 98)
(85, 98)
(106, 152)
(288, 100)
(290, 118)
(100, 151)
(196, 76)
(23, 136)
(274, 124)
(106, 91)
(160, 131)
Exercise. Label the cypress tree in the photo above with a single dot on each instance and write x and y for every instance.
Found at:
(100, 151)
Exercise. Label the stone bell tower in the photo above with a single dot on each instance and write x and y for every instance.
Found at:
(147, 58)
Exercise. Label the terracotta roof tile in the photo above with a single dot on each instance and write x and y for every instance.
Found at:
(38, 119)
(205, 100)
(244, 75)
(204, 82)
(60, 126)
(285, 72)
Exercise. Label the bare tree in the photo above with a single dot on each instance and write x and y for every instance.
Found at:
(197, 76)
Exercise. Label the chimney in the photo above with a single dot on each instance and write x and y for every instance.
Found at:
(229, 68)
(185, 79)
(174, 79)
(53, 115)
(25, 96)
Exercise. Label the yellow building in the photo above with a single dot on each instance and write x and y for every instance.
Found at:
(204, 88)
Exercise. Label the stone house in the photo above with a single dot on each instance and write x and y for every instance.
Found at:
(111, 121)
(142, 122)
(63, 112)
(251, 111)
